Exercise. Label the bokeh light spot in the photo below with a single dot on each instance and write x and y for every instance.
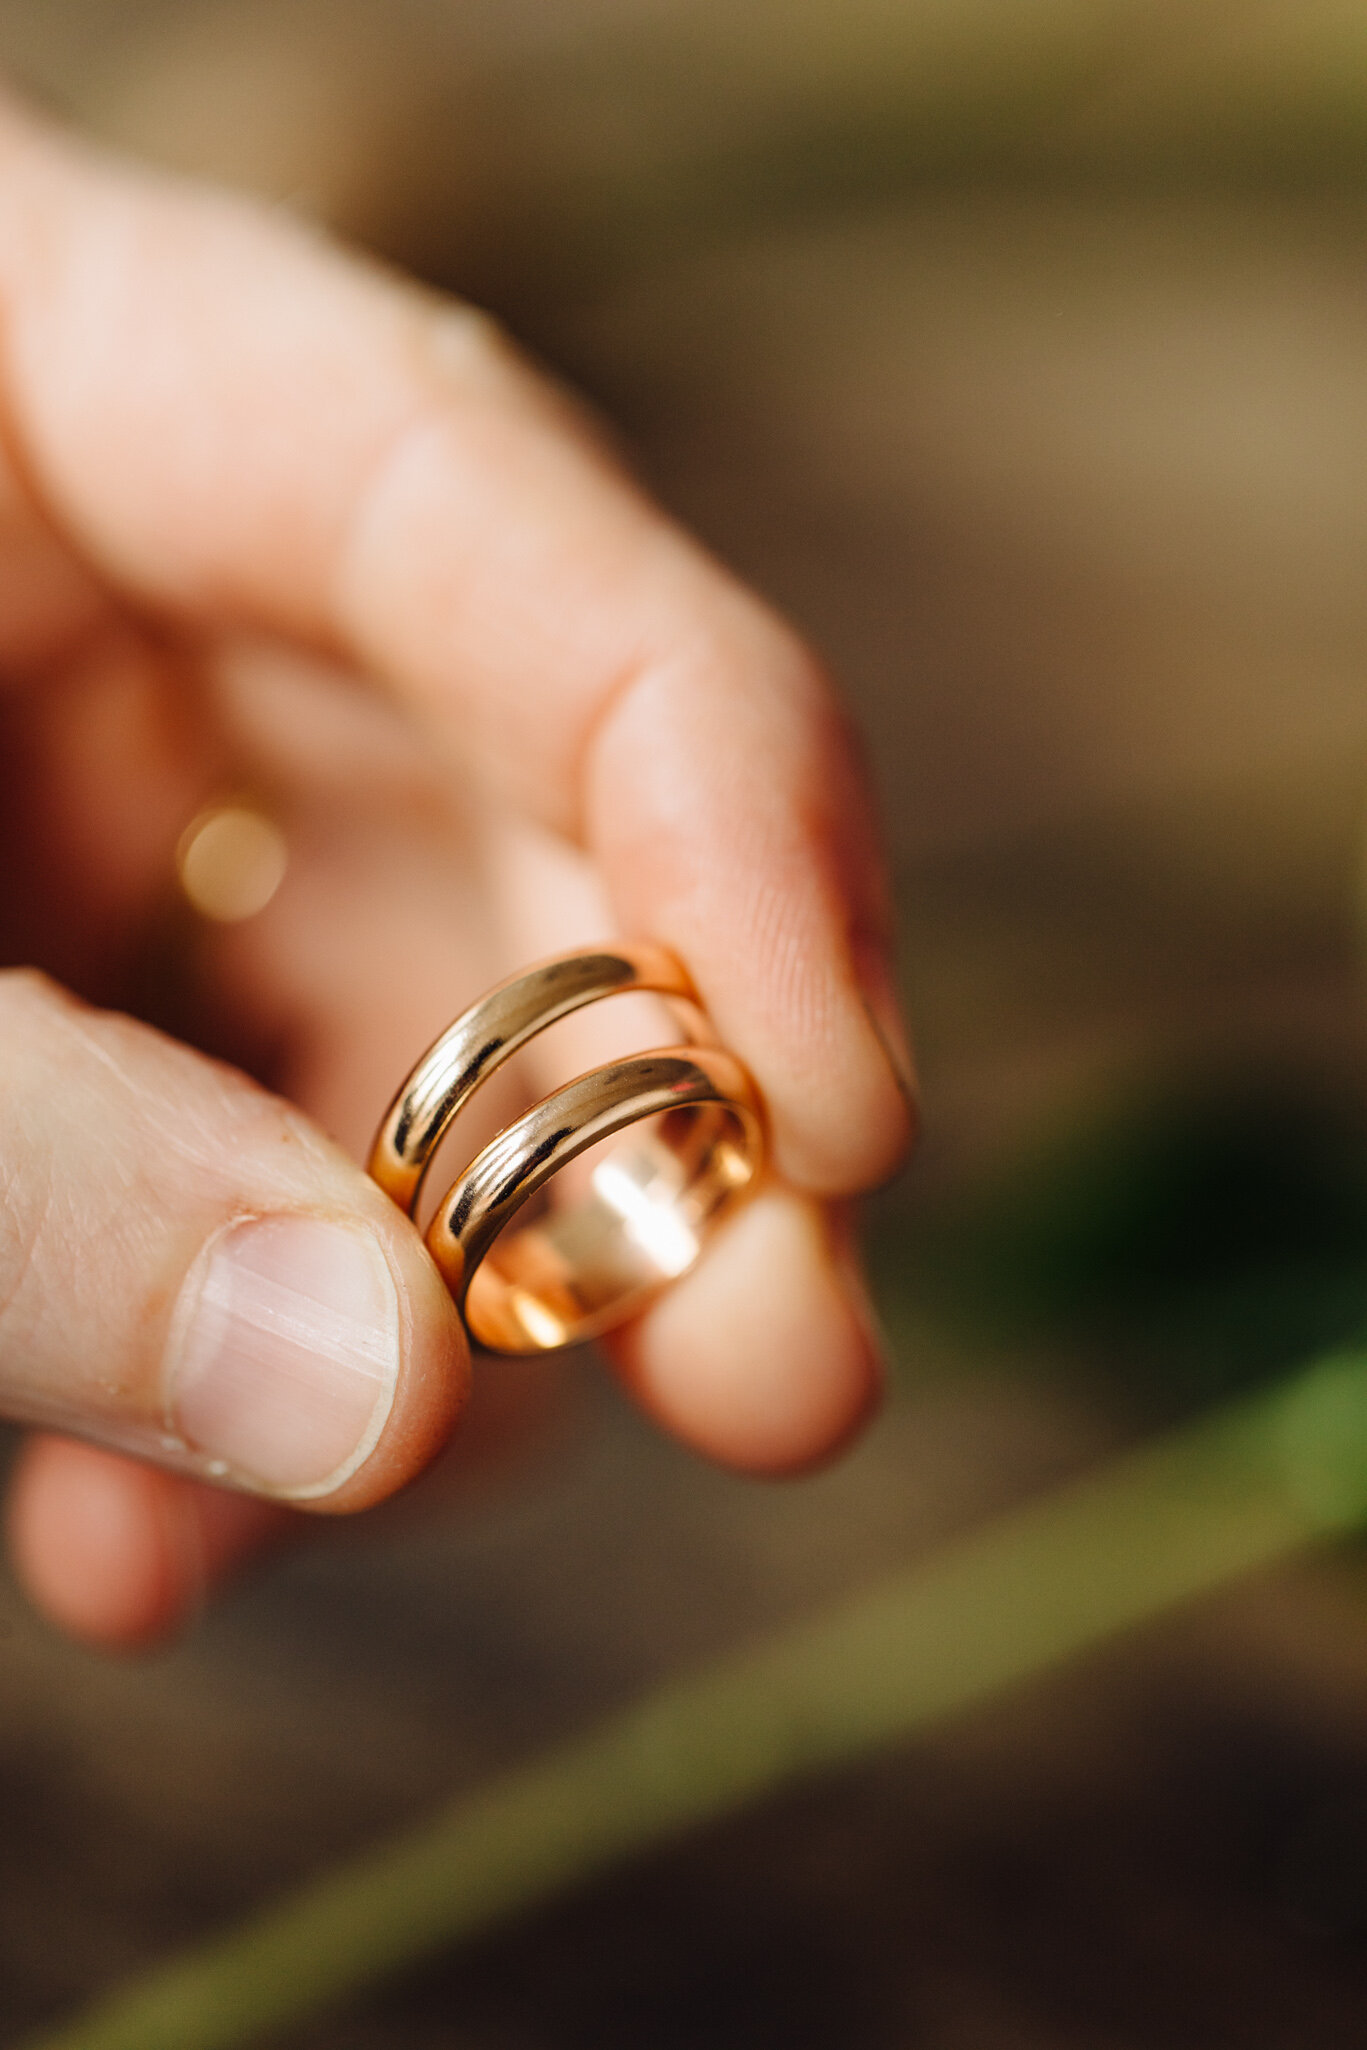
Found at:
(231, 860)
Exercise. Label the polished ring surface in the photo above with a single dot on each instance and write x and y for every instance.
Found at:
(653, 1200)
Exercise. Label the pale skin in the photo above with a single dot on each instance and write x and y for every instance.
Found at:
(267, 511)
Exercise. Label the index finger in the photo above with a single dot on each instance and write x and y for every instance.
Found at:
(237, 422)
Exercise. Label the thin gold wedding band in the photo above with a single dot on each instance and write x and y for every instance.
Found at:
(574, 1272)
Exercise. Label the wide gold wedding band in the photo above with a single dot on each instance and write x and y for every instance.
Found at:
(693, 1148)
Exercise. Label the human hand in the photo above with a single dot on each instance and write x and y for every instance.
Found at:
(272, 518)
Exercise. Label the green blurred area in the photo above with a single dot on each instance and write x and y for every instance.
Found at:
(1177, 1246)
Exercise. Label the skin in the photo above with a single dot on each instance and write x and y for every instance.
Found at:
(271, 518)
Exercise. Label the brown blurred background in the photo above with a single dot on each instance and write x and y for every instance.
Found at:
(1021, 353)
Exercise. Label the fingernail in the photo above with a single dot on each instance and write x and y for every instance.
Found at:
(285, 1355)
(883, 1008)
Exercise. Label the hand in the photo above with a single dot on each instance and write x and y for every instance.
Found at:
(272, 518)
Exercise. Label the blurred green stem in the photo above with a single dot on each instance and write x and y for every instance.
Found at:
(1175, 1519)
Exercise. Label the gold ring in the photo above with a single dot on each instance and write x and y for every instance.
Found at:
(574, 1272)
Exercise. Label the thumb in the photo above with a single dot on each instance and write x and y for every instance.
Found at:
(191, 1272)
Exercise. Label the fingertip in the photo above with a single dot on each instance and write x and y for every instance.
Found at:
(770, 887)
(119, 1555)
(763, 1358)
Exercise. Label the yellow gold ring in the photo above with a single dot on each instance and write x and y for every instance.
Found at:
(576, 1271)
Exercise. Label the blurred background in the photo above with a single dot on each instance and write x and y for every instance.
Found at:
(1020, 352)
